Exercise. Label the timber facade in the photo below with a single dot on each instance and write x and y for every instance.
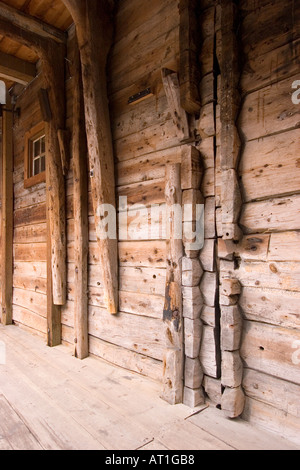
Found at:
(193, 103)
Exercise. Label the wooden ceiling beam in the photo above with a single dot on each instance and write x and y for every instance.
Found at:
(15, 69)
(29, 23)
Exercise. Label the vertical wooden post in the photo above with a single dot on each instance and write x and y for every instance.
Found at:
(189, 49)
(53, 311)
(53, 67)
(94, 28)
(231, 200)
(173, 320)
(81, 234)
(7, 216)
(233, 398)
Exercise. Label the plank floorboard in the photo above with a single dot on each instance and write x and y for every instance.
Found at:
(50, 400)
(14, 434)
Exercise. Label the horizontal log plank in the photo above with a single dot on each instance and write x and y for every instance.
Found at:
(33, 301)
(30, 234)
(251, 248)
(263, 170)
(32, 269)
(126, 330)
(29, 319)
(30, 215)
(272, 419)
(273, 391)
(276, 307)
(270, 349)
(143, 280)
(148, 167)
(269, 110)
(30, 252)
(151, 139)
(34, 284)
(125, 358)
(272, 275)
(271, 67)
(284, 246)
(273, 215)
(262, 28)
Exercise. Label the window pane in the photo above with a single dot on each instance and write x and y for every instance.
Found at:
(36, 167)
(36, 148)
(43, 145)
(43, 164)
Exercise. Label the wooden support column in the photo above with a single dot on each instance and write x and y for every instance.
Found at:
(192, 272)
(172, 89)
(189, 49)
(53, 69)
(81, 230)
(173, 319)
(52, 56)
(231, 200)
(233, 398)
(94, 28)
(7, 216)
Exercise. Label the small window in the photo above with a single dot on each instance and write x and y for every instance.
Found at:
(35, 156)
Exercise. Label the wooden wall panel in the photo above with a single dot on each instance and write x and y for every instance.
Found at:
(30, 239)
(269, 178)
(145, 140)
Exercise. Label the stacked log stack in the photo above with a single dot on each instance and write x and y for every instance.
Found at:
(233, 399)
(192, 273)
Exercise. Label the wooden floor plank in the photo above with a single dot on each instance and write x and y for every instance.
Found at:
(186, 436)
(5, 445)
(14, 434)
(63, 403)
(118, 387)
(238, 433)
(83, 412)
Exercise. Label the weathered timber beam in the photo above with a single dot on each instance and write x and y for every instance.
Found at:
(231, 200)
(81, 229)
(64, 145)
(15, 69)
(172, 89)
(7, 217)
(29, 23)
(53, 69)
(94, 29)
(233, 398)
(173, 320)
(189, 72)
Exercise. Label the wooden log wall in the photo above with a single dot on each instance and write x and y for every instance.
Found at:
(257, 277)
(252, 274)
(30, 228)
(270, 180)
(145, 141)
(209, 130)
